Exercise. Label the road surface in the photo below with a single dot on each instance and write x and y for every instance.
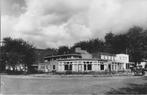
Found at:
(13, 84)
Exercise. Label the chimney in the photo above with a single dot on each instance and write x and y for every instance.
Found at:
(78, 50)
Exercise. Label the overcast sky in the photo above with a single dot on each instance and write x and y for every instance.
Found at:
(52, 23)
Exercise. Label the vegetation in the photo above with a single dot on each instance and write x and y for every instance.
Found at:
(63, 50)
(133, 42)
(41, 53)
(16, 52)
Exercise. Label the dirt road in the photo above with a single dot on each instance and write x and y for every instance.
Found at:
(73, 85)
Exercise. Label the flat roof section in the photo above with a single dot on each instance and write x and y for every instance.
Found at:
(64, 55)
(93, 59)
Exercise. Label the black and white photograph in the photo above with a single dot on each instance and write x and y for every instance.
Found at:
(73, 47)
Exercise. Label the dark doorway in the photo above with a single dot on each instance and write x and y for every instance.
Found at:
(70, 67)
(54, 67)
(102, 66)
(66, 67)
(84, 67)
(109, 66)
(89, 66)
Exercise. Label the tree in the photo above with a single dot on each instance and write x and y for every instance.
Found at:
(18, 51)
(109, 42)
(92, 46)
(63, 50)
(41, 53)
(135, 43)
(2, 65)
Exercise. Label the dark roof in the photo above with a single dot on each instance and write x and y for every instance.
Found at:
(92, 59)
(63, 55)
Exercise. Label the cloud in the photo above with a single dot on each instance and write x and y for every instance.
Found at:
(117, 15)
(7, 26)
(12, 7)
(52, 23)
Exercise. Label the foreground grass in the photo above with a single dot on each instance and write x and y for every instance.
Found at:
(72, 85)
(132, 88)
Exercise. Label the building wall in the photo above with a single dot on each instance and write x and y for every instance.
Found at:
(116, 62)
(124, 58)
(60, 67)
(18, 67)
(48, 66)
(44, 67)
(107, 57)
(82, 66)
(118, 58)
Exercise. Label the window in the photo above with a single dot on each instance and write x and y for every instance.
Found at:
(54, 67)
(102, 67)
(66, 67)
(89, 67)
(70, 67)
(127, 66)
(84, 66)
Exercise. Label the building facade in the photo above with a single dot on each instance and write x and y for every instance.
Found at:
(85, 62)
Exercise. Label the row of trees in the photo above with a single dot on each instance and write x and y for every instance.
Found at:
(15, 52)
(18, 51)
(132, 42)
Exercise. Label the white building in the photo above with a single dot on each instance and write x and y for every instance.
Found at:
(144, 64)
(84, 62)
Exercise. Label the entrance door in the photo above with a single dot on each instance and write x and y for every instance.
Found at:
(80, 68)
(102, 67)
(109, 66)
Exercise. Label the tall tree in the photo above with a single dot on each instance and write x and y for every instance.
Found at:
(109, 42)
(18, 51)
(135, 43)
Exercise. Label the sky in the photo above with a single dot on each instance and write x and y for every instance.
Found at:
(54, 23)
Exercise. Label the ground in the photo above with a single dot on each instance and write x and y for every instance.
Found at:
(83, 85)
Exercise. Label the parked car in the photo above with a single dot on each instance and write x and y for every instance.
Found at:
(138, 71)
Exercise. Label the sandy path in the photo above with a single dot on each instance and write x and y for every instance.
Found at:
(65, 85)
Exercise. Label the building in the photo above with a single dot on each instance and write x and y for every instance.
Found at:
(144, 64)
(82, 61)
(17, 67)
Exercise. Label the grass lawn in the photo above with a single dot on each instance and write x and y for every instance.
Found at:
(72, 85)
